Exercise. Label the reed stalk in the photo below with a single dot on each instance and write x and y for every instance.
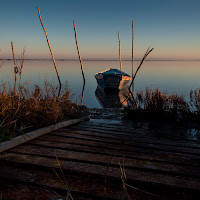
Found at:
(82, 96)
(120, 60)
(133, 78)
(54, 62)
(80, 59)
(79, 55)
(132, 45)
(21, 64)
(143, 59)
(16, 70)
(132, 53)
(1, 63)
(63, 182)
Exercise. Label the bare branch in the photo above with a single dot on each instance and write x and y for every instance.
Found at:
(54, 62)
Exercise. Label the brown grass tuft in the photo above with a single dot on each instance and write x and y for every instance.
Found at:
(33, 108)
(154, 104)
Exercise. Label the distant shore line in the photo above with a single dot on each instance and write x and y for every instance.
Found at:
(124, 60)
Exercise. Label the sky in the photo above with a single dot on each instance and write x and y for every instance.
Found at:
(171, 27)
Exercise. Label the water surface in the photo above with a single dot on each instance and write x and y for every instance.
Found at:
(170, 76)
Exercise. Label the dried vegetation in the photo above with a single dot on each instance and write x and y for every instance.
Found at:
(154, 104)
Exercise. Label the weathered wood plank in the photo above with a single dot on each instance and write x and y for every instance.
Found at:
(50, 186)
(122, 147)
(130, 143)
(159, 165)
(36, 133)
(139, 133)
(165, 158)
(103, 160)
(132, 137)
(113, 172)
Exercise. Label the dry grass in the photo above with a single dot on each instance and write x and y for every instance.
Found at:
(26, 109)
(154, 104)
(195, 104)
(23, 108)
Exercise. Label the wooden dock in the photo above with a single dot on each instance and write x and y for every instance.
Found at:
(86, 159)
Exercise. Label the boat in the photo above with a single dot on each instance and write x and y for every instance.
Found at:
(113, 98)
(112, 79)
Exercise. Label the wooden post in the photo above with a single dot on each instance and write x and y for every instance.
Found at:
(54, 62)
(132, 45)
(132, 53)
(120, 53)
(79, 55)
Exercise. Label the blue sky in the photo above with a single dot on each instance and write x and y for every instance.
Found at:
(171, 27)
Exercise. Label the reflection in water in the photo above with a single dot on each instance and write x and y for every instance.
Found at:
(82, 96)
(112, 98)
(167, 76)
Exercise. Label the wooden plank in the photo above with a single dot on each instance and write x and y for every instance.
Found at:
(119, 127)
(103, 160)
(36, 133)
(12, 190)
(113, 172)
(131, 137)
(165, 158)
(139, 133)
(122, 128)
(50, 186)
(130, 143)
(130, 149)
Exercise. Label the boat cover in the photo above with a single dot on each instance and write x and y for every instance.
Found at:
(112, 71)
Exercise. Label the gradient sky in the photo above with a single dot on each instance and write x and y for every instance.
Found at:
(172, 27)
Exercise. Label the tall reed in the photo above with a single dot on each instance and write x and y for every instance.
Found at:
(120, 59)
(54, 62)
(1, 63)
(142, 61)
(195, 102)
(80, 59)
(131, 97)
(132, 45)
(17, 68)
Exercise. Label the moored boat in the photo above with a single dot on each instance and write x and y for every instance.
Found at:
(112, 79)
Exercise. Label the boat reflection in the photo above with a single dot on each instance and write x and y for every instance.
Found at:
(112, 98)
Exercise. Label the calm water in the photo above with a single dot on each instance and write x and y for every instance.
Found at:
(170, 76)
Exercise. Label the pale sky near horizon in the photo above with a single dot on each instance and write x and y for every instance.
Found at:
(172, 27)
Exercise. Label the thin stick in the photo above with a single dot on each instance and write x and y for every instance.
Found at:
(22, 65)
(79, 55)
(120, 52)
(105, 187)
(15, 68)
(132, 52)
(54, 62)
(1, 64)
(143, 59)
(82, 96)
(65, 182)
(132, 45)
(2, 61)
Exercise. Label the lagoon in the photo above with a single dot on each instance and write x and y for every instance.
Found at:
(170, 76)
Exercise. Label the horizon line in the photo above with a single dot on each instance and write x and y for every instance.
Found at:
(102, 59)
